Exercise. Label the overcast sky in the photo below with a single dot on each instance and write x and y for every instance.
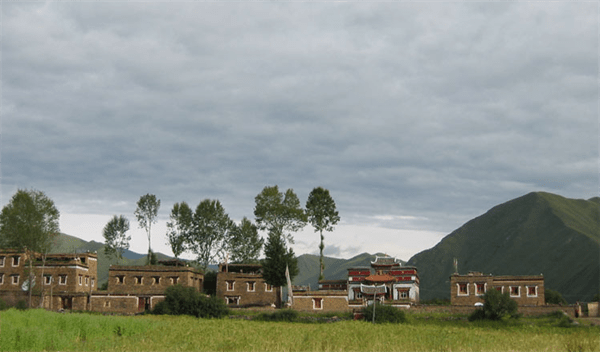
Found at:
(416, 116)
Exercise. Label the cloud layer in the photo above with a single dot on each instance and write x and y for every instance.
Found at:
(416, 116)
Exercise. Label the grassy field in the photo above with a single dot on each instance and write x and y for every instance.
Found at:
(38, 330)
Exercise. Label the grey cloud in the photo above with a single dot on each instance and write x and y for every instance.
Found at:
(436, 111)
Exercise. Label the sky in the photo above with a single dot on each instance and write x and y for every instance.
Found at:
(416, 116)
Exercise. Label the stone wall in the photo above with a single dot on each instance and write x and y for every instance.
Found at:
(321, 301)
(245, 289)
(151, 279)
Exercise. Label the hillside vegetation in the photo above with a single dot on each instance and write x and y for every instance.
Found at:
(539, 233)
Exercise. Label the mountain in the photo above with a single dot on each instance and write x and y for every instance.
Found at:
(536, 233)
(70, 244)
(335, 269)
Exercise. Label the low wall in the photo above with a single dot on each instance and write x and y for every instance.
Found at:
(460, 309)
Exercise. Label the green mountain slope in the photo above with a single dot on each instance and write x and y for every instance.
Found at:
(536, 233)
(335, 269)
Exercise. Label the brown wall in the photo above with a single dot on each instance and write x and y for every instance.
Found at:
(491, 282)
(259, 297)
(330, 301)
(185, 276)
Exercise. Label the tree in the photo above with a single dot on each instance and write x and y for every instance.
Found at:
(277, 258)
(146, 212)
(116, 240)
(322, 214)
(554, 297)
(179, 228)
(210, 232)
(278, 213)
(28, 223)
(496, 306)
(245, 243)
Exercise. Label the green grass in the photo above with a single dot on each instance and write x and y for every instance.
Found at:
(38, 330)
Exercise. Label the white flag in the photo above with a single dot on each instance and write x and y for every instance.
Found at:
(289, 283)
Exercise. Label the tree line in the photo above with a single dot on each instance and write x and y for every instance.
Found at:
(211, 236)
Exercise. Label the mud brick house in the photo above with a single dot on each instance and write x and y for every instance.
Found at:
(242, 285)
(401, 288)
(134, 289)
(527, 290)
(67, 280)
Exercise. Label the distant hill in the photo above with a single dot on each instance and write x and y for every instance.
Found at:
(335, 269)
(536, 233)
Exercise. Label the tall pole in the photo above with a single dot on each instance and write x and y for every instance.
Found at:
(374, 295)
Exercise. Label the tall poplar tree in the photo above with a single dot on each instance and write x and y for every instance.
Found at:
(146, 212)
(322, 214)
(179, 228)
(116, 240)
(279, 213)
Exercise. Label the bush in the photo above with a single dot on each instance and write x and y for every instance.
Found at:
(180, 300)
(384, 314)
(288, 315)
(497, 306)
(21, 305)
(3, 305)
(554, 297)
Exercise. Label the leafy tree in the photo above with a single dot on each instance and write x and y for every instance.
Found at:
(115, 237)
(596, 297)
(29, 223)
(279, 213)
(210, 232)
(277, 258)
(179, 228)
(245, 243)
(146, 212)
(183, 300)
(554, 297)
(322, 214)
(496, 306)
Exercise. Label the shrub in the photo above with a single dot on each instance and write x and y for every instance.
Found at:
(554, 297)
(288, 315)
(496, 306)
(21, 305)
(384, 314)
(180, 300)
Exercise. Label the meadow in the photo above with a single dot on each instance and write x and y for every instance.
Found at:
(39, 330)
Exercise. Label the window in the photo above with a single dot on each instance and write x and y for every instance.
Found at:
(120, 279)
(230, 285)
(139, 280)
(1, 279)
(47, 279)
(531, 291)
(357, 293)
(174, 280)
(87, 280)
(2, 261)
(514, 291)
(317, 303)
(16, 260)
(480, 289)
(251, 286)
(402, 293)
(155, 280)
(92, 282)
(463, 289)
(80, 280)
(15, 279)
(62, 279)
(499, 288)
(107, 303)
(268, 288)
(232, 299)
